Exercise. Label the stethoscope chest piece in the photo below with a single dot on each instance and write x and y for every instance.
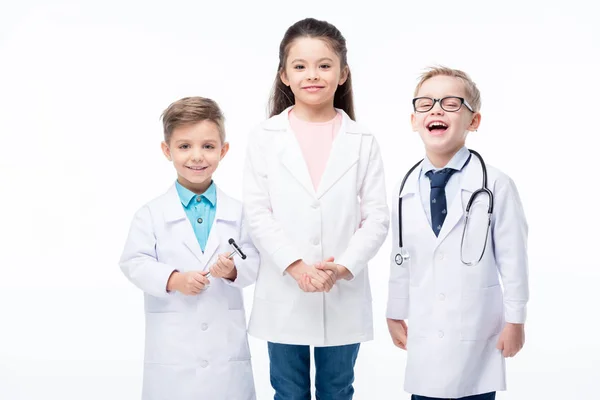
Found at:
(401, 257)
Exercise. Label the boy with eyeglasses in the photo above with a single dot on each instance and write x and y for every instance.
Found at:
(463, 322)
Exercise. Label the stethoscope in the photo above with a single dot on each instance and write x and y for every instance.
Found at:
(403, 255)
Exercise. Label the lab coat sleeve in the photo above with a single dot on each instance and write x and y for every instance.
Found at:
(510, 249)
(398, 299)
(374, 222)
(247, 269)
(139, 261)
(266, 232)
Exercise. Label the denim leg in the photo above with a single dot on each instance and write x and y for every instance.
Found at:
(290, 371)
(335, 371)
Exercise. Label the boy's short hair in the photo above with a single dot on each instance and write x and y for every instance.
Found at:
(191, 110)
(472, 92)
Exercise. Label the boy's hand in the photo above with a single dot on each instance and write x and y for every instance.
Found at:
(309, 278)
(189, 283)
(224, 268)
(511, 339)
(398, 332)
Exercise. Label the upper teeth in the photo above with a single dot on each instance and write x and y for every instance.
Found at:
(196, 167)
(431, 125)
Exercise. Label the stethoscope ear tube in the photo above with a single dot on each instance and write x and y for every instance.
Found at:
(400, 257)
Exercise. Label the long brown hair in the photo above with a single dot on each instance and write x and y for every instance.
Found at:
(281, 95)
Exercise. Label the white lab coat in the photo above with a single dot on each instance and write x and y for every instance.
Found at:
(196, 347)
(456, 312)
(346, 217)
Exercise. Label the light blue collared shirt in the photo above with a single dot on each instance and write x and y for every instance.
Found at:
(200, 210)
(457, 162)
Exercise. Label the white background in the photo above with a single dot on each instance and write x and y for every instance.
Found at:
(82, 87)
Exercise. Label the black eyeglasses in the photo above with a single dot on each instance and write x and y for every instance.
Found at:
(448, 104)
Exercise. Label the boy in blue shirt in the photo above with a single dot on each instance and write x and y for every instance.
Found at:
(196, 341)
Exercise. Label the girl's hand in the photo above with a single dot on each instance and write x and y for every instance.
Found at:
(338, 270)
(318, 281)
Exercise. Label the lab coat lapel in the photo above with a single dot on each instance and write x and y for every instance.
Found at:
(468, 184)
(212, 244)
(294, 162)
(345, 152)
(411, 194)
(180, 225)
(291, 156)
(224, 213)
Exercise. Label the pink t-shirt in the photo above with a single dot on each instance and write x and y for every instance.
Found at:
(315, 140)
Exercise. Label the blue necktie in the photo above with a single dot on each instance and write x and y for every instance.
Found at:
(438, 180)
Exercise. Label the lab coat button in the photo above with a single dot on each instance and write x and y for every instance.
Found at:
(204, 326)
(440, 256)
(442, 296)
(316, 241)
(204, 363)
(315, 204)
(441, 334)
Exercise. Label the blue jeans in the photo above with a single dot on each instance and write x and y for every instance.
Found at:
(485, 396)
(334, 375)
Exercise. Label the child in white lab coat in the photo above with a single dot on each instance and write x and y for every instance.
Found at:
(462, 322)
(196, 344)
(315, 202)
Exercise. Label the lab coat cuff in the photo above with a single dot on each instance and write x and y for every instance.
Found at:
(515, 316)
(284, 257)
(397, 308)
(241, 280)
(161, 290)
(352, 267)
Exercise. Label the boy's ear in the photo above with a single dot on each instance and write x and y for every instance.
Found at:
(475, 122)
(224, 149)
(344, 75)
(166, 151)
(413, 122)
(284, 78)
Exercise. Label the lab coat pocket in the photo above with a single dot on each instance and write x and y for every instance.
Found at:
(175, 302)
(237, 338)
(235, 300)
(481, 313)
(166, 382)
(420, 312)
(168, 338)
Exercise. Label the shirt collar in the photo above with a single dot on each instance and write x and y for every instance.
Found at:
(186, 195)
(457, 162)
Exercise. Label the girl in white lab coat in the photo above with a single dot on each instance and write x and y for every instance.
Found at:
(196, 344)
(464, 316)
(315, 202)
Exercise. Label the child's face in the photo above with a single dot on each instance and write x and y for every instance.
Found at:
(313, 71)
(449, 134)
(195, 151)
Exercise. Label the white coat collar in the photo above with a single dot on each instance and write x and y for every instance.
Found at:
(174, 211)
(345, 151)
(470, 181)
(227, 210)
(280, 122)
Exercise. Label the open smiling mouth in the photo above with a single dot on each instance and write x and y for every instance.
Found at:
(437, 127)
